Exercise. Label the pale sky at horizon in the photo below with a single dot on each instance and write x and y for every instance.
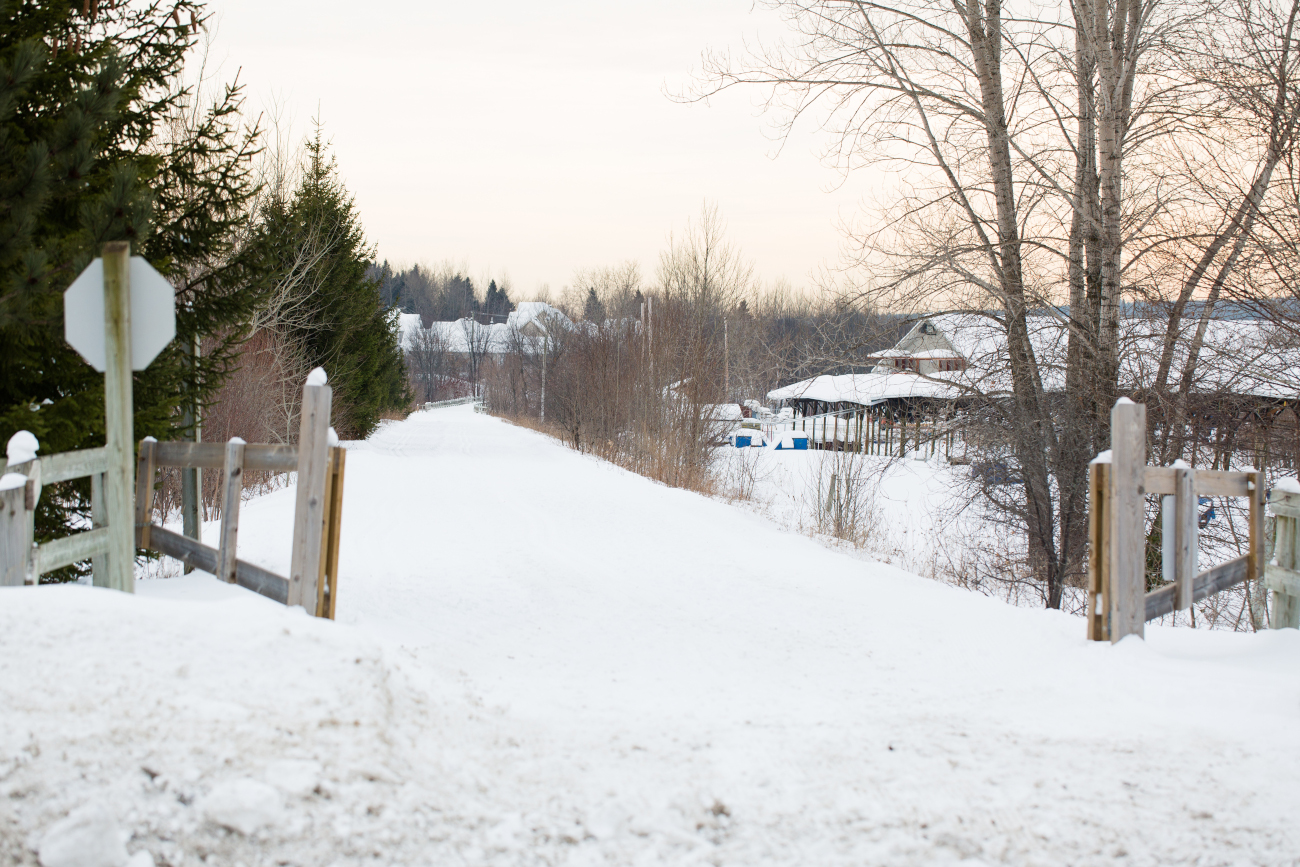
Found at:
(529, 140)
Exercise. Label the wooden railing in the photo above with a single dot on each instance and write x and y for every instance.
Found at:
(22, 561)
(1119, 480)
(313, 571)
(314, 557)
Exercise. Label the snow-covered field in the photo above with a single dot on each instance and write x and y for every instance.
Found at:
(919, 513)
(543, 659)
(912, 501)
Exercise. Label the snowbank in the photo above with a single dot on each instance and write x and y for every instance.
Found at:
(543, 659)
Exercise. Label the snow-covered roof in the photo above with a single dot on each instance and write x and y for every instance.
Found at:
(465, 334)
(408, 324)
(461, 335)
(537, 312)
(869, 388)
(1239, 356)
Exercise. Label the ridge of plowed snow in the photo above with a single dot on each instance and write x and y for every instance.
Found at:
(543, 659)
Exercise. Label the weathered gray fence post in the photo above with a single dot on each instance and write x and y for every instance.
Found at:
(21, 489)
(15, 547)
(234, 481)
(1178, 535)
(309, 511)
(1127, 572)
(98, 518)
(1282, 574)
(118, 421)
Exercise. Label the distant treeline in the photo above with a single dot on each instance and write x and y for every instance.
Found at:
(440, 293)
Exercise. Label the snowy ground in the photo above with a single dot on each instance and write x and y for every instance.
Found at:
(912, 499)
(542, 659)
(919, 513)
(927, 516)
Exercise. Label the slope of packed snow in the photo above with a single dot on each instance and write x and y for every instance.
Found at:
(542, 659)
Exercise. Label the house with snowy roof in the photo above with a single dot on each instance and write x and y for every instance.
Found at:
(925, 350)
(528, 323)
(536, 319)
(1247, 374)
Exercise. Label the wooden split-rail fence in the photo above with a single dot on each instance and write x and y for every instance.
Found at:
(22, 561)
(1119, 481)
(313, 572)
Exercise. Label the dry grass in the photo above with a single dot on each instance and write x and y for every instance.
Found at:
(842, 495)
(664, 464)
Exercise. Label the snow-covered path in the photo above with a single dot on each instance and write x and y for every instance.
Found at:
(558, 662)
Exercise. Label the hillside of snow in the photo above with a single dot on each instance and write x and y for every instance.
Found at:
(541, 659)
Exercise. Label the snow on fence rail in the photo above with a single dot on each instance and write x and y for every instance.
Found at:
(318, 461)
(1118, 603)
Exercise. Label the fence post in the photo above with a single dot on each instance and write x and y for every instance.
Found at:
(333, 528)
(309, 511)
(117, 416)
(144, 482)
(1281, 575)
(1098, 612)
(1186, 546)
(98, 518)
(1255, 484)
(1127, 572)
(234, 488)
(21, 491)
(15, 548)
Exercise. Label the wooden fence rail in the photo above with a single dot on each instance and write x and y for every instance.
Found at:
(1119, 480)
(317, 516)
(22, 561)
(318, 462)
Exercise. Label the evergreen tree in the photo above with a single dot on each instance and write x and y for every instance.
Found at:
(352, 334)
(497, 302)
(461, 297)
(594, 309)
(99, 142)
(391, 284)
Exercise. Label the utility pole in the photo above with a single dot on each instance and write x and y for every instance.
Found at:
(650, 333)
(726, 366)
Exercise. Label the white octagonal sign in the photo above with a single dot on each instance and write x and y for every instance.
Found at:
(153, 314)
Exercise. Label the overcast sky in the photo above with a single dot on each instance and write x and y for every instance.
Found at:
(529, 139)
